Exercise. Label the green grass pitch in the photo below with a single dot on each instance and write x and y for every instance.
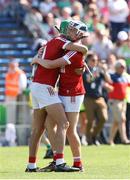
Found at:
(102, 162)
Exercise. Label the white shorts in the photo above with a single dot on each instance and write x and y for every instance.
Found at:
(72, 103)
(43, 95)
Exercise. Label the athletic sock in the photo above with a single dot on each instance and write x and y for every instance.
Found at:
(32, 163)
(77, 162)
(59, 159)
(54, 156)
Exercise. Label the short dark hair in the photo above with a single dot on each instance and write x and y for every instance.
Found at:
(90, 55)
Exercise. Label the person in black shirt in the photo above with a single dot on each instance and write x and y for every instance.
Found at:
(95, 105)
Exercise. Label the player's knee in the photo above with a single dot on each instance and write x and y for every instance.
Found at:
(64, 125)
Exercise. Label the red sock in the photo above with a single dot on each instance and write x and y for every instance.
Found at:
(59, 159)
(32, 159)
(59, 156)
(54, 156)
(77, 163)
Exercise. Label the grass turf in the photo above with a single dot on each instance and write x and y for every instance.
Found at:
(102, 162)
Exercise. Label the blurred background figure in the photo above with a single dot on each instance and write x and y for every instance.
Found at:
(111, 62)
(95, 105)
(102, 46)
(82, 125)
(10, 135)
(66, 13)
(118, 13)
(122, 48)
(77, 9)
(117, 103)
(46, 6)
(15, 84)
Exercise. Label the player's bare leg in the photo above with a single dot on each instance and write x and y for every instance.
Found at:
(39, 117)
(57, 139)
(51, 128)
(73, 138)
(57, 114)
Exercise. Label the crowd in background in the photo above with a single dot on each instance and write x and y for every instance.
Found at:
(108, 23)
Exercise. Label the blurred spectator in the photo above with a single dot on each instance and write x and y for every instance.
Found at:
(33, 20)
(123, 49)
(15, 84)
(117, 103)
(91, 10)
(119, 12)
(103, 46)
(63, 3)
(46, 6)
(35, 3)
(77, 9)
(66, 13)
(111, 62)
(49, 24)
(95, 23)
(104, 11)
(96, 108)
(106, 86)
(10, 135)
(82, 125)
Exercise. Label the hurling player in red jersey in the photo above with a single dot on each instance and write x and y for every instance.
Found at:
(71, 93)
(46, 101)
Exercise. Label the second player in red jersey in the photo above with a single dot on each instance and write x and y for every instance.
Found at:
(71, 82)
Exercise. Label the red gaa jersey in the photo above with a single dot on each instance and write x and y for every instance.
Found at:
(71, 83)
(53, 49)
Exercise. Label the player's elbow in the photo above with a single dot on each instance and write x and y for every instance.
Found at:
(85, 50)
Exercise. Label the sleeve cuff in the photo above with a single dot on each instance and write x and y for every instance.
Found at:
(66, 58)
(64, 46)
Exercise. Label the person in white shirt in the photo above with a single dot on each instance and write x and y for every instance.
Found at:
(118, 13)
(102, 46)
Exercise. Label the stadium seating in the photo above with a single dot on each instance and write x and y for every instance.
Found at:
(15, 42)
